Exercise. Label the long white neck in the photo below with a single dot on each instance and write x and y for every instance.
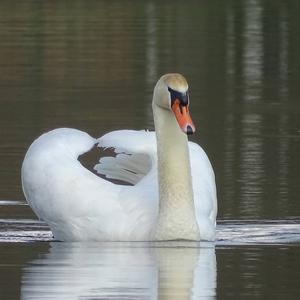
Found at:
(176, 218)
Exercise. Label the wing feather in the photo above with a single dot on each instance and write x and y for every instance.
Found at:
(204, 188)
(136, 152)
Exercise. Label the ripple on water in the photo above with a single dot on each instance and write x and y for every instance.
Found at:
(258, 232)
(228, 232)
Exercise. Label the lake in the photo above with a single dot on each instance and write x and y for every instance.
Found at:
(92, 65)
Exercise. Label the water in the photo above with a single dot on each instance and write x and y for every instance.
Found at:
(248, 259)
(171, 270)
(92, 65)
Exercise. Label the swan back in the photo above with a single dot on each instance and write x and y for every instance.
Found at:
(79, 205)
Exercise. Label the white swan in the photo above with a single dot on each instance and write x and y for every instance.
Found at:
(174, 192)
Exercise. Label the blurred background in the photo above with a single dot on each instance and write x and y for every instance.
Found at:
(92, 65)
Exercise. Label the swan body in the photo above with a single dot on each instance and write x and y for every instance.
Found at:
(173, 195)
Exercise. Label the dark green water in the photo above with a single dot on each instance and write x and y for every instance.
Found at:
(92, 65)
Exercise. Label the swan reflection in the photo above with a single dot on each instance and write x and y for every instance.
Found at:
(171, 270)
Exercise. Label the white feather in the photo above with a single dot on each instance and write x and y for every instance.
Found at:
(130, 168)
(79, 205)
(171, 200)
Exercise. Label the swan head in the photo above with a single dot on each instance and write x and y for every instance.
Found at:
(171, 93)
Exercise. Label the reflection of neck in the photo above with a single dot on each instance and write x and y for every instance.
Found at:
(176, 204)
(176, 271)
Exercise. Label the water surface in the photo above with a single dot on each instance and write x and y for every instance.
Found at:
(171, 270)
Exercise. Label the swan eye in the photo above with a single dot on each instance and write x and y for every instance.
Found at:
(182, 97)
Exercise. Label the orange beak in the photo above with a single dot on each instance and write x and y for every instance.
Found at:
(183, 117)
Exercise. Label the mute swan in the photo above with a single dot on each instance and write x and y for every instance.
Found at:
(173, 194)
